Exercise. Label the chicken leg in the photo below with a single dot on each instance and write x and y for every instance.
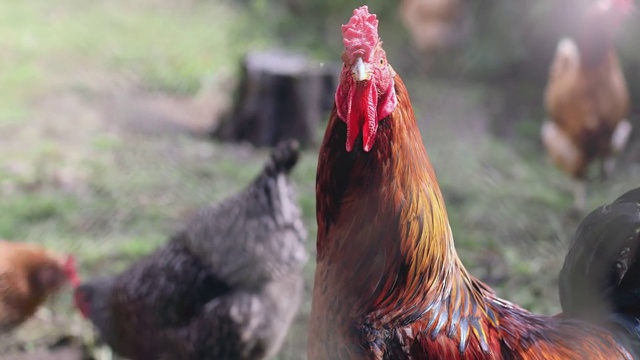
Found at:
(619, 140)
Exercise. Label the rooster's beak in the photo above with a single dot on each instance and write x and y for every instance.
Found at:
(360, 72)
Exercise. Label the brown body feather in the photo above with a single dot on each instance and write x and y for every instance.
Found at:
(389, 284)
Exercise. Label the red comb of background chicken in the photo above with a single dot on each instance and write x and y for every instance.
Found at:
(360, 34)
(70, 271)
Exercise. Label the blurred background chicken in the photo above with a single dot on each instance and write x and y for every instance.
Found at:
(226, 286)
(432, 24)
(587, 98)
(600, 276)
(29, 274)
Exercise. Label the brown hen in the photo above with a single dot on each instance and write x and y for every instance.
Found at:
(587, 98)
(28, 275)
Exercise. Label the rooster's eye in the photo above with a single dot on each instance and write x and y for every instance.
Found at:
(381, 62)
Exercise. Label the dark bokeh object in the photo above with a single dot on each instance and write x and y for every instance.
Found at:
(280, 95)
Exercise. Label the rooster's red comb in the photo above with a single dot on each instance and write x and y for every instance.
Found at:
(360, 34)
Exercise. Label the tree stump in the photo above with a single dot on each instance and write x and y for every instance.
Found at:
(280, 95)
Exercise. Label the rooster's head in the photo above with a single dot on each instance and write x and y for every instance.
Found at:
(365, 94)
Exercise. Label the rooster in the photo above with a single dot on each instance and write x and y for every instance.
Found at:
(388, 281)
(227, 286)
(29, 274)
(587, 98)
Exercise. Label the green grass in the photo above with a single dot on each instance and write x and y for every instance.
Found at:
(170, 46)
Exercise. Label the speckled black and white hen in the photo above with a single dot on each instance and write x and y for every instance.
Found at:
(227, 286)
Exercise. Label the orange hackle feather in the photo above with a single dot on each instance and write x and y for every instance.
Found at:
(389, 283)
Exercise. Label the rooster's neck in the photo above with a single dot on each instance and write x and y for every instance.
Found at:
(384, 238)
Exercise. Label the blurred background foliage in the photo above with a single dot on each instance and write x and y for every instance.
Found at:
(509, 44)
